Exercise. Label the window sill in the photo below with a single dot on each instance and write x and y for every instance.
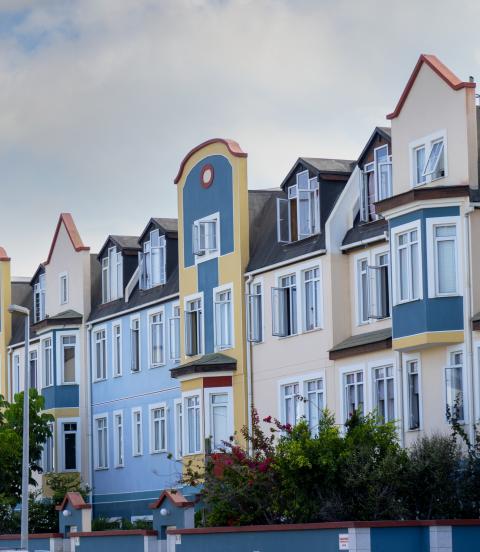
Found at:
(406, 301)
(222, 349)
(99, 380)
(158, 451)
(137, 455)
(120, 467)
(187, 454)
(69, 383)
(286, 336)
(117, 375)
(153, 366)
(99, 469)
(135, 371)
(313, 330)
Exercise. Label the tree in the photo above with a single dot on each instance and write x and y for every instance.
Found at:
(11, 429)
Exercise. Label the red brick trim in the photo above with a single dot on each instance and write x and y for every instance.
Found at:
(3, 255)
(73, 234)
(440, 69)
(116, 533)
(177, 498)
(218, 381)
(327, 525)
(233, 148)
(33, 536)
(76, 500)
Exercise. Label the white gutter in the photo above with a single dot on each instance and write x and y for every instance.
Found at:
(89, 414)
(249, 363)
(359, 243)
(467, 317)
(285, 263)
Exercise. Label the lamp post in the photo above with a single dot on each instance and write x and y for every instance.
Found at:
(17, 309)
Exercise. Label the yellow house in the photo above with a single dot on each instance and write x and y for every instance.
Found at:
(5, 319)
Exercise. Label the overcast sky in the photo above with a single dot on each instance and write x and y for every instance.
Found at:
(101, 99)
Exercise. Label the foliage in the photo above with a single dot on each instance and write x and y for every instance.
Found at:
(42, 516)
(105, 524)
(11, 427)
(62, 483)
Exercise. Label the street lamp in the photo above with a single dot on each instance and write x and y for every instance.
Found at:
(17, 309)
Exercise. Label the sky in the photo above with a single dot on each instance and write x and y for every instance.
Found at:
(101, 99)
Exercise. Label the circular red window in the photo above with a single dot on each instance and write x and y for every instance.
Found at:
(206, 176)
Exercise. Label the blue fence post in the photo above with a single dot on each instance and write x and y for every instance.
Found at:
(359, 539)
(440, 538)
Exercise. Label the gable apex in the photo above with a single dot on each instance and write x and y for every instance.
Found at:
(67, 220)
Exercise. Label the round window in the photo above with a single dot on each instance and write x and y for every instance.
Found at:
(206, 176)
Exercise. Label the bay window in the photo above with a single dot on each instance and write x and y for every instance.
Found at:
(298, 217)
(413, 394)
(223, 320)
(69, 436)
(363, 291)
(408, 266)
(68, 346)
(49, 450)
(178, 428)
(47, 361)
(445, 253)
(33, 366)
(152, 261)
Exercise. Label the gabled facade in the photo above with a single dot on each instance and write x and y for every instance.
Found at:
(134, 334)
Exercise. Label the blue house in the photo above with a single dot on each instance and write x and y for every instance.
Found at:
(134, 342)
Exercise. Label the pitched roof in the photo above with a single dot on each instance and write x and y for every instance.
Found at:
(386, 132)
(176, 497)
(3, 255)
(21, 295)
(67, 220)
(207, 363)
(322, 166)
(364, 231)
(124, 244)
(168, 225)
(440, 69)
(233, 147)
(76, 500)
(362, 343)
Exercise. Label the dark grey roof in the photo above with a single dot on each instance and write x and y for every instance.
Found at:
(138, 298)
(363, 339)
(386, 130)
(330, 165)
(207, 363)
(168, 224)
(22, 294)
(365, 231)
(68, 314)
(126, 242)
(264, 247)
(476, 317)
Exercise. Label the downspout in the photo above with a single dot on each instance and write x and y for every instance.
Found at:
(398, 360)
(249, 362)
(468, 313)
(89, 412)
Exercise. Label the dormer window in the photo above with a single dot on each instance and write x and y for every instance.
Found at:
(428, 159)
(298, 217)
(205, 238)
(112, 275)
(375, 182)
(152, 261)
(39, 299)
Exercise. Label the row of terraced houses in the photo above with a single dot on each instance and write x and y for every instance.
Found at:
(353, 285)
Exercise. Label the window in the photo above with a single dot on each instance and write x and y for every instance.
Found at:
(311, 280)
(373, 295)
(39, 299)
(33, 369)
(49, 450)
(68, 358)
(118, 438)
(69, 431)
(315, 402)
(290, 400)
(413, 395)
(100, 355)
(16, 374)
(63, 288)
(375, 183)
(137, 432)
(192, 408)
(152, 261)
(298, 217)
(255, 314)
(194, 328)
(363, 291)
(135, 344)
(205, 237)
(445, 252)
(158, 430)
(284, 307)
(408, 266)
(428, 159)
(47, 362)
(117, 349)
(112, 275)
(384, 393)
(175, 334)
(101, 429)
(157, 348)
(353, 393)
(219, 425)
(454, 385)
(223, 320)
(178, 429)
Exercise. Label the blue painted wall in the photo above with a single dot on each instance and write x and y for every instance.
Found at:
(127, 543)
(430, 314)
(129, 490)
(400, 539)
(207, 273)
(33, 544)
(465, 539)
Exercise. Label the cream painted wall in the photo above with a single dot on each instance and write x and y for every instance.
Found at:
(432, 105)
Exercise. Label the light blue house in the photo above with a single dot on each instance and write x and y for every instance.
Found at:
(133, 343)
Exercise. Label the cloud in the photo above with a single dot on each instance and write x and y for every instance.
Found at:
(101, 99)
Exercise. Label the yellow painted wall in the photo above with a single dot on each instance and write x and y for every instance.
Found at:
(5, 323)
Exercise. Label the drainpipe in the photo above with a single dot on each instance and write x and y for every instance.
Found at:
(89, 412)
(398, 360)
(249, 363)
(468, 313)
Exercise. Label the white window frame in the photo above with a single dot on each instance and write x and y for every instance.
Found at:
(16, 373)
(118, 448)
(146, 261)
(198, 393)
(187, 300)
(319, 305)
(133, 319)
(427, 142)
(52, 440)
(459, 348)
(96, 443)
(96, 331)
(61, 434)
(117, 353)
(63, 298)
(432, 265)
(394, 258)
(297, 320)
(158, 311)
(301, 380)
(343, 374)
(208, 392)
(112, 261)
(406, 359)
(202, 255)
(359, 291)
(44, 368)
(178, 427)
(255, 308)
(151, 424)
(217, 291)
(137, 451)
(384, 366)
(174, 333)
(60, 357)
(35, 351)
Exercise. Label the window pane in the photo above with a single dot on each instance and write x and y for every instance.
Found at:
(420, 164)
(70, 446)
(446, 265)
